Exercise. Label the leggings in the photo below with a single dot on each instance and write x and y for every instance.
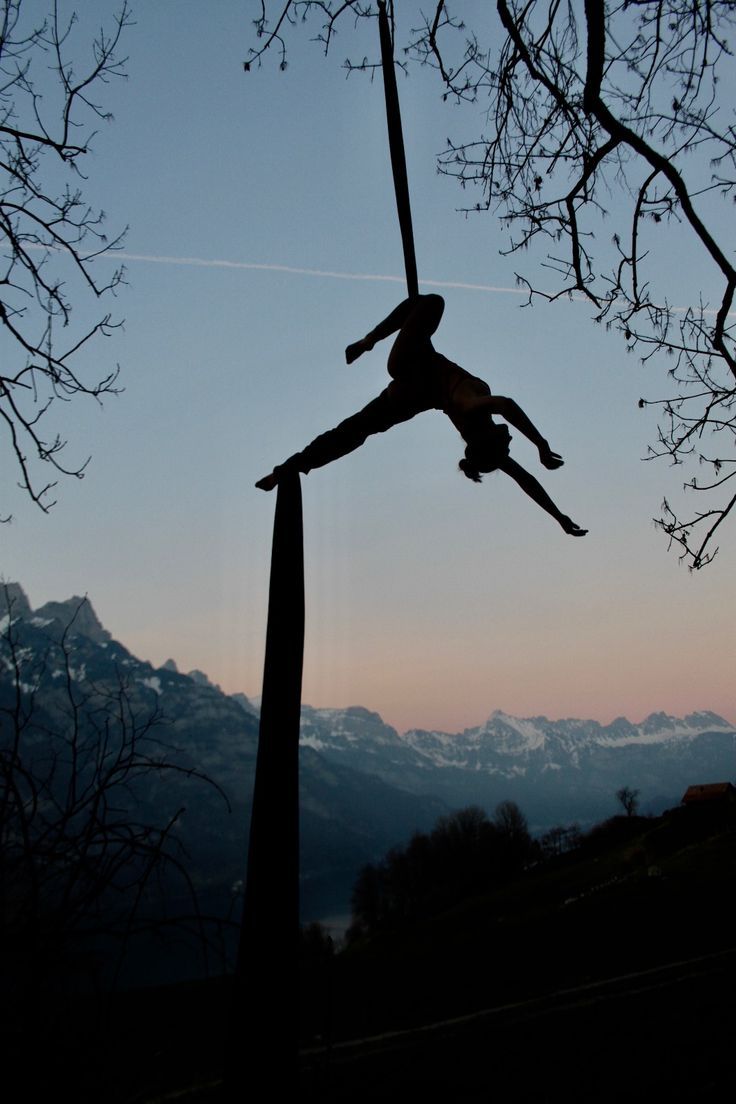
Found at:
(379, 415)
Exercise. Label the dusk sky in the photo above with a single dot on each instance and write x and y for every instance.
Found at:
(262, 239)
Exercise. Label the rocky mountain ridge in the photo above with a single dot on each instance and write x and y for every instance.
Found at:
(557, 770)
(61, 651)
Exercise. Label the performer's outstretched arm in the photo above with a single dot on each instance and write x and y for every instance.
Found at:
(515, 416)
(537, 492)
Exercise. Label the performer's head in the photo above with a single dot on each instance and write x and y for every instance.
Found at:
(485, 452)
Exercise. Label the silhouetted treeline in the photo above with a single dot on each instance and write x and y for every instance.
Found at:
(466, 853)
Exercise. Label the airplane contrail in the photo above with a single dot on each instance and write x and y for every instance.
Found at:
(202, 262)
(461, 285)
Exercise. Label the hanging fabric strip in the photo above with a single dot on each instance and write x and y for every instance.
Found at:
(263, 1043)
(396, 146)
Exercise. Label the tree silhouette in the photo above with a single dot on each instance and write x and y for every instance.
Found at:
(50, 235)
(516, 844)
(560, 838)
(629, 800)
(85, 865)
(464, 854)
(609, 136)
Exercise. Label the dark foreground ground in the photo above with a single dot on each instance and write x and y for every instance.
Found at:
(667, 1034)
(603, 976)
(658, 1035)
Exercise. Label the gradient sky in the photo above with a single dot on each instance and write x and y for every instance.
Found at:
(263, 238)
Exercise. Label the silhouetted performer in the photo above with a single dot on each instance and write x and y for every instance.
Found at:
(423, 379)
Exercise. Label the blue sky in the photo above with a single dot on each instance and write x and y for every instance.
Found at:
(430, 600)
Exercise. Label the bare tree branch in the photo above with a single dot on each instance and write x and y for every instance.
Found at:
(49, 239)
(78, 856)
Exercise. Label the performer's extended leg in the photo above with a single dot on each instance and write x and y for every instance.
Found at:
(378, 416)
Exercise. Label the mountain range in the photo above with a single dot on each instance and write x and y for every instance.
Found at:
(556, 770)
(364, 787)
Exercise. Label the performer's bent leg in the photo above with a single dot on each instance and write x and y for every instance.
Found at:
(412, 344)
(416, 320)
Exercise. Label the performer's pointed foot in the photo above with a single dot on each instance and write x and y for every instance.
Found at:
(357, 349)
(268, 482)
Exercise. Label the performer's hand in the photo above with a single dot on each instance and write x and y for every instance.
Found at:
(550, 459)
(571, 528)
